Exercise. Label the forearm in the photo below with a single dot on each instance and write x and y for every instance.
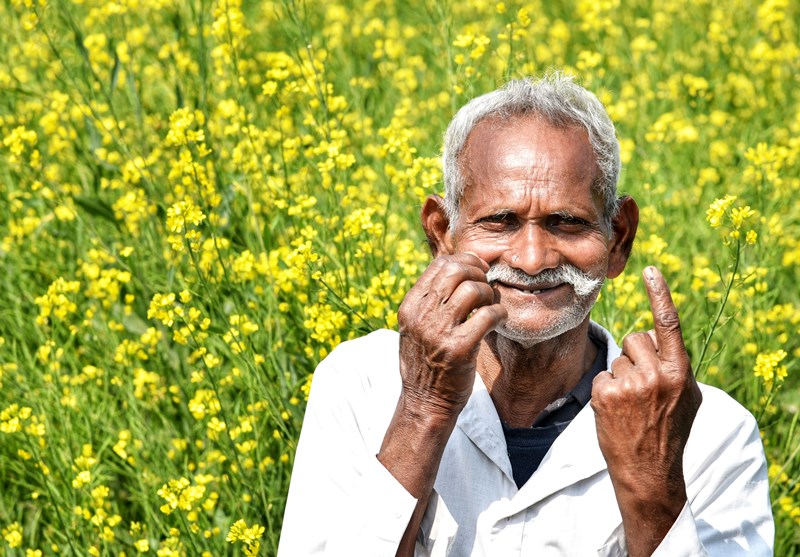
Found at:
(412, 450)
(644, 412)
(649, 509)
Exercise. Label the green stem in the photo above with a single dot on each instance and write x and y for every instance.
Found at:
(50, 493)
(700, 362)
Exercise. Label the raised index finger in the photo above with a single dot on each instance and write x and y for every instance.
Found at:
(666, 322)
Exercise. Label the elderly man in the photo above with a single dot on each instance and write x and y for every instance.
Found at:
(469, 432)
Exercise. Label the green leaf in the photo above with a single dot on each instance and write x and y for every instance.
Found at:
(96, 207)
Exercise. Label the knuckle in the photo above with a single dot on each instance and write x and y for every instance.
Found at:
(440, 262)
(630, 341)
(605, 393)
(648, 382)
(431, 270)
(408, 311)
(467, 258)
(457, 270)
(484, 292)
(620, 361)
(473, 288)
(599, 384)
(480, 297)
(641, 336)
(485, 289)
(667, 319)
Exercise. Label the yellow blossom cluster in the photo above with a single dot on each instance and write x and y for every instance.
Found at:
(736, 217)
(768, 367)
(56, 303)
(248, 535)
(180, 494)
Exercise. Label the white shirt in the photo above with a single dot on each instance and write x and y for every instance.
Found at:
(342, 501)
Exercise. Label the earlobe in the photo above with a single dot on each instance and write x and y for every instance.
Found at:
(436, 225)
(625, 226)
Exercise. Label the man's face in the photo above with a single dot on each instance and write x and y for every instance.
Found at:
(529, 206)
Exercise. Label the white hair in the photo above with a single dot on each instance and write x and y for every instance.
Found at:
(586, 288)
(558, 100)
(583, 283)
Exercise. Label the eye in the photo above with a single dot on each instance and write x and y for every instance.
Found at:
(500, 217)
(570, 222)
(504, 218)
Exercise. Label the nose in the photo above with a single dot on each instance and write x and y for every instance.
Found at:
(533, 250)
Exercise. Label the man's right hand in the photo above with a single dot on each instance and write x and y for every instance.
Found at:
(442, 321)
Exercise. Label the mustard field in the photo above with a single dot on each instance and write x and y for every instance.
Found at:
(199, 199)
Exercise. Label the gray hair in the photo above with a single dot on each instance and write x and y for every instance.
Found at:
(559, 101)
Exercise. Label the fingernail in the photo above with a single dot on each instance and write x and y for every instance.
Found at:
(649, 273)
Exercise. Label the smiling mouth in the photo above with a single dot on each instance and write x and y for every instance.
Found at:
(529, 290)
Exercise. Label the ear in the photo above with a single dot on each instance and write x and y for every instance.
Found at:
(624, 226)
(437, 226)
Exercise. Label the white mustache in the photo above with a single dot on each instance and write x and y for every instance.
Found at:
(583, 283)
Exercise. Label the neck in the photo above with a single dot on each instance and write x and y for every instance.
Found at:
(523, 380)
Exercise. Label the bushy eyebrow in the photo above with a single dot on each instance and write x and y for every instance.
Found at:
(564, 214)
(502, 213)
(497, 213)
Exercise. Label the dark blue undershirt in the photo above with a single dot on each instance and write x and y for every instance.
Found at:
(528, 445)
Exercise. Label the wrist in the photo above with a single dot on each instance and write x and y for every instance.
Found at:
(414, 443)
(430, 410)
(650, 484)
(649, 508)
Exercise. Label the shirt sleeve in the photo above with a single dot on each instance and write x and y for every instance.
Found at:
(342, 500)
(729, 512)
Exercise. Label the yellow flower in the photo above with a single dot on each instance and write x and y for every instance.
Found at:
(180, 494)
(56, 302)
(523, 16)
(739, 215)
(463, 41)
(716, 211)
(16, 141)
(83, 478)
(13, 534)
(179, 123)
(182, 214)
(162, 307)
(239, 531)
(777, 473)
(768, 369)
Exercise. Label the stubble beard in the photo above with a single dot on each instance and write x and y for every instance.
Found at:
(586, 288)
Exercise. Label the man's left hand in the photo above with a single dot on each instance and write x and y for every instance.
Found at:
(644, 410)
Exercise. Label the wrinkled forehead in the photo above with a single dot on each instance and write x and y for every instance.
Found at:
(527, 144)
